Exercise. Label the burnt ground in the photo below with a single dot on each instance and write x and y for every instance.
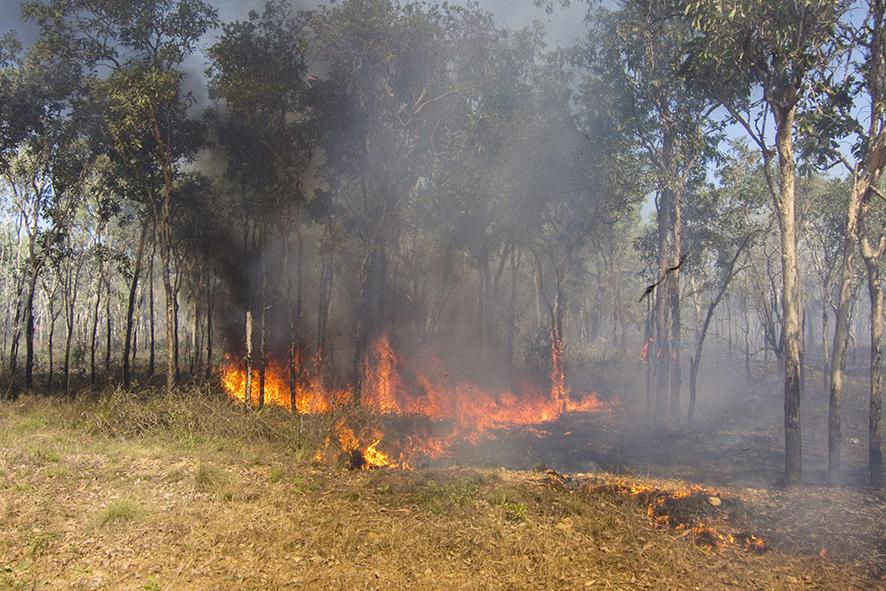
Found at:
(737, 446)
(738, 438)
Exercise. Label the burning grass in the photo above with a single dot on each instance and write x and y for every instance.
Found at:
(712, 519)
(440, 411)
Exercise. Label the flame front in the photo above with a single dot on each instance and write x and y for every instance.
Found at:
(461, 411)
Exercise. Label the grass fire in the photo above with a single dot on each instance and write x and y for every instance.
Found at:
(455, 412)
(425, 294)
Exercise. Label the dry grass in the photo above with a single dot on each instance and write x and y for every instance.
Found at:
(233, 507)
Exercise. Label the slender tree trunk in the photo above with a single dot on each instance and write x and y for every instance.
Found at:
(662, 355)
(785, 208)
(826, 365)
(152, 364)
(247, 399)
(67, 369)
(559, 391)
(29, 330)
(16, 333)
(52, 316)
(875, 426)
(164, 232)
(108, 327)
(674, 291)
(176, 283)
(208, 326)
(194, 357)
(841, 333)
(263, 353)
(512, 310)
(94, 330)
(130, 309)
(293, 406)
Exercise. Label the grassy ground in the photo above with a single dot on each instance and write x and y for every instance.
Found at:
(193, 493)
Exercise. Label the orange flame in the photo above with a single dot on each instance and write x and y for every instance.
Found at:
(467, 411)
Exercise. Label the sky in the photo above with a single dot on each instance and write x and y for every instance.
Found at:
(565, 25)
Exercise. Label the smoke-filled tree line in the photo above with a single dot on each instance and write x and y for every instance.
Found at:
(689, 175)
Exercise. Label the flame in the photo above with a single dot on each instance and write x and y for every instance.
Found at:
(457, 411)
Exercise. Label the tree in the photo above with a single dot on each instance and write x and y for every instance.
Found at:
(394, 75)
(774, 47)
(848, 106)
(269, 132)
(723, 221)
(637, 50)
(144, 45)
(41, 162)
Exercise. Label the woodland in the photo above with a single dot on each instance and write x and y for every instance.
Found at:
(288, 209)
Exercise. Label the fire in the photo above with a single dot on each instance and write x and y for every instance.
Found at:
(456, 411)
(691, 509)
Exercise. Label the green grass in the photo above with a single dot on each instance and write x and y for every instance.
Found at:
(120, 511)
(278, 474)
(439, 497)
(209, 479)
(516, 511)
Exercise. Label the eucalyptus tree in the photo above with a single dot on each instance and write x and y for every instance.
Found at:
(393, 75)
(757, 59)
(268, 129)
(636, 49)
(724, 219)
(42, 163)
(847, 105)
(134, 52)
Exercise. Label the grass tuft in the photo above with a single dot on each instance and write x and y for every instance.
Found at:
(120, 510)
(209, 479)
(439, 497)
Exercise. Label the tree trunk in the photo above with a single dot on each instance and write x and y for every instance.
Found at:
(785, 208)
(94, 331)
(108, 326)
(841, 333)
(247, 398)
(164, 232)
(208, 326)
(695, 361)
(263, 353)
(826, 365)
(559, 392)
(293, 406)
(662, 355)
(52, 318)
(674, 291)
(875, 426)
(29, 331)
(152, 347)
(130, 309)
(512, 310)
